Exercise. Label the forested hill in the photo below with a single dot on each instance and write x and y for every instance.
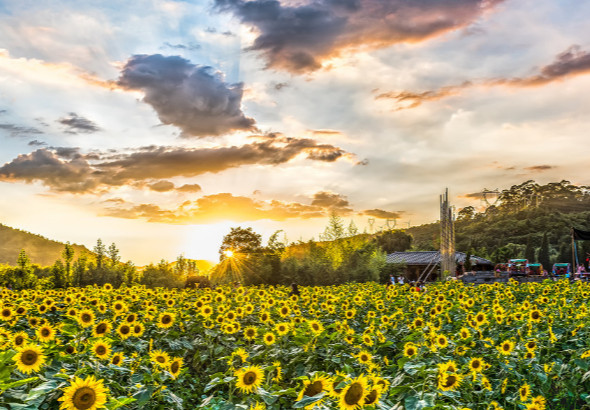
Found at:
(40, 250)
(516, 225)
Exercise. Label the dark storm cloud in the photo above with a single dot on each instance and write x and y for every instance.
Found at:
(66, 169)
(75, 124)
(380, 213)
(192, 97)
(298, 38)
(572, 62)
(19, 131)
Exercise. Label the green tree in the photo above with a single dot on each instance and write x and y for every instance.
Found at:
(467, 265)
(242, 241)
(394, 241)
(113, 253)
(529, 252)
(543, 257)
(100, 253)
(68, 255)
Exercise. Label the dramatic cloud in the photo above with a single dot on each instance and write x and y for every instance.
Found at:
(225, 206)
(192, 97)
(75, 124)
(380, 213)
(19, 131)
(572, 62)
(300, 37)
(67, 170)
(335, 202)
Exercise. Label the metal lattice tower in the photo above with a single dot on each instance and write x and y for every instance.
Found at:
(447, 237)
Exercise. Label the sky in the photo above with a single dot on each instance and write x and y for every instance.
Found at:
(160, 125)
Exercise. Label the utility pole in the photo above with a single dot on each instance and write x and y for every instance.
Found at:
(447, 237)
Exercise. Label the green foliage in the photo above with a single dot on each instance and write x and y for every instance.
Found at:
(395, 240)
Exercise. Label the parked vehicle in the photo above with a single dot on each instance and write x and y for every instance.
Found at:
(562, 269)
(517, 267)
(534, 269)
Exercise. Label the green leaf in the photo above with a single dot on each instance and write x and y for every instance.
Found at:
(416, 403)
(117, 403)
(306, 401)
(6, 386)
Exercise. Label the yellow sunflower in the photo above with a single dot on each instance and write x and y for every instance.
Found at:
(101, 329)
(19, 338)
(477, 364)
(85, 318)
(249, 378)
(313, 387)
(506, 347)
(160, 358)
(524, 392)
(353, 395)
(175, 366)
(269, 338)
(410, 349)
(117, 359)
(101, 349)
(166, 320)
(29, 358)
(6, 314)
(45, 333)
(449, 381)
(364, 357)
(87, 394)
(124, 331)
(250, 333)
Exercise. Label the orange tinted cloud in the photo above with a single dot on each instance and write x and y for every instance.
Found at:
(69, 170)
(572, 62)
(225, 206)
(300, 37)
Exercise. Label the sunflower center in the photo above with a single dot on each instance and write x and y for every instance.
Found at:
(174, 367)
(535, 315)
(161, 359)
(166, 319)
(69, 349)
(101, 350)
(102, 328)
(125, 329)
(249, 378)
(476, 364)
(451, 380)
(313, 388)
(354, 394)
(84, 398)
(45, 332)
(18, 340)
(137, 329)
(6, 312)
(29, 357)
(371, 397)
(411, 351)
(86, 317)
(506, 347)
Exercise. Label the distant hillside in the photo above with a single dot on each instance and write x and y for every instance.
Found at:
(515, 227)
(40, 250)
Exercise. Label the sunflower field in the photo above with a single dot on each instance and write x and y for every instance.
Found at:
(501, 346)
